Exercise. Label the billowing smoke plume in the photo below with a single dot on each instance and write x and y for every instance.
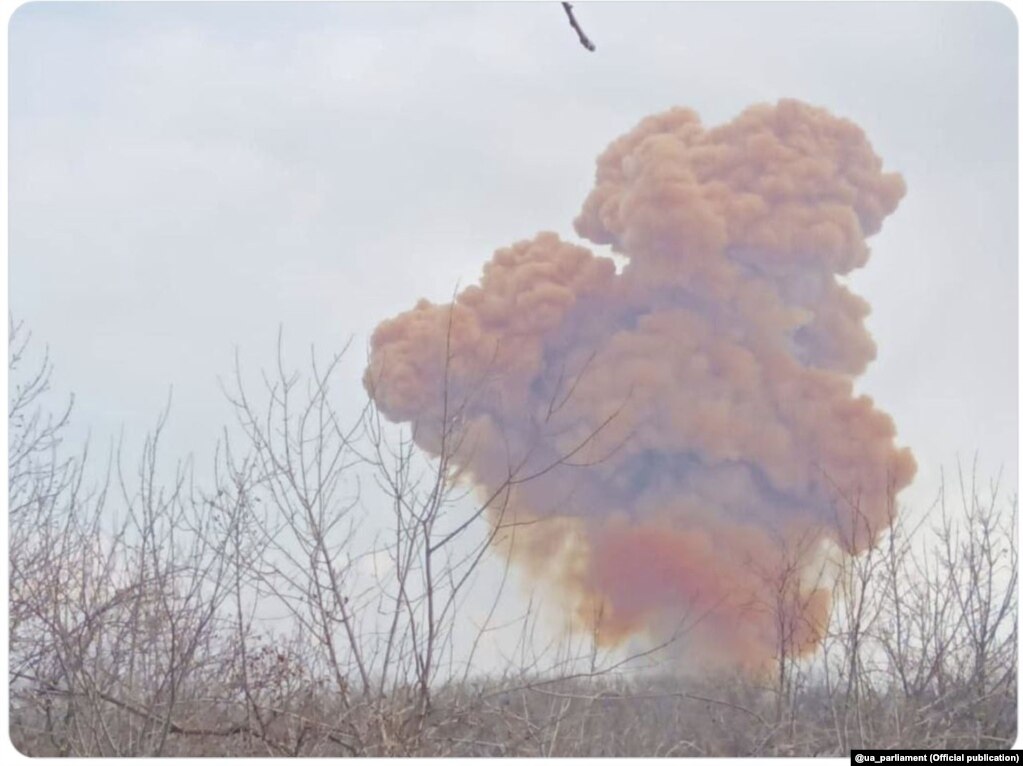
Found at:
(682, 434)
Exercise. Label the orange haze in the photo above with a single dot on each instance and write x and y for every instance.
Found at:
(682, 431)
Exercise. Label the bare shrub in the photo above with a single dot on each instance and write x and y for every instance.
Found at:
(308, 597)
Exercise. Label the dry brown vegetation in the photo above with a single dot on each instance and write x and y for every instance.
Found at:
(152, 613)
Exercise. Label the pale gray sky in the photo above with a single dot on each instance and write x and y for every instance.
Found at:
(185, 177)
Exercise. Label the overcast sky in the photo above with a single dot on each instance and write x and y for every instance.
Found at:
(186, 177)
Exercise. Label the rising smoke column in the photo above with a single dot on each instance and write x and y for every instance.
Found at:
(687, 425)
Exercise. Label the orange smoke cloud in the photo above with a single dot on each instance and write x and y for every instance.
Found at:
(676, 429)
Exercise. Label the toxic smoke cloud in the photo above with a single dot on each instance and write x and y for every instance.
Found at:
(682, 434)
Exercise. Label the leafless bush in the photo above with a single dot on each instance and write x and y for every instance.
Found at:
(308, 598)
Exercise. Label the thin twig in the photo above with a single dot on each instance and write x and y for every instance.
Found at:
(586, 42)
